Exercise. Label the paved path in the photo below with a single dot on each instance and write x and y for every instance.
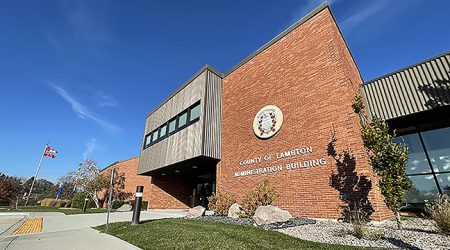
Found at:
(74, 231)
(8, 220)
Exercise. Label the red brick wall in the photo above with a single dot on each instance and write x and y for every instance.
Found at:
(169, 192)
(161, 192)
(129, 170)
(310, 75)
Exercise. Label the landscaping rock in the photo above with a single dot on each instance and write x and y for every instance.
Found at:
(195, 212)
(234, 211)
(270, 214)
(125, 208)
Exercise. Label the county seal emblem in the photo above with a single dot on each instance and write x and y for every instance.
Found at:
(267, 122)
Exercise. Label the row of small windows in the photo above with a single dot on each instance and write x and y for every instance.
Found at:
(177, 123)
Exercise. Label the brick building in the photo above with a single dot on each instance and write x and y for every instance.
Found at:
(125, 172)
(284, 114)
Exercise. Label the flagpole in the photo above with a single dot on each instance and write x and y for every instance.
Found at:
(36, 174)
(110, 197)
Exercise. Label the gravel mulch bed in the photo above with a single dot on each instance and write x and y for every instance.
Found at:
(226, 219)
(294, 222)
(417, 234)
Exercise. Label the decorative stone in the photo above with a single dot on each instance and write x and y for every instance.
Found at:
(125, 208)
(234, 211)
(195, 212)
(270, 214)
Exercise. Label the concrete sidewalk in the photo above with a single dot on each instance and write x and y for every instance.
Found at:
(9, 220)
(79, 239)
(55, 223)
(62, 231)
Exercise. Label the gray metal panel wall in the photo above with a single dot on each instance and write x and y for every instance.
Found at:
(184, 144)
(213, 117)
(418, 88)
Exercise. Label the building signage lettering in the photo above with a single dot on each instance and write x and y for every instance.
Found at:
(278, 168)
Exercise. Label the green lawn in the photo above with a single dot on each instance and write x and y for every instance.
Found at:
(54, 209)
(192, 234)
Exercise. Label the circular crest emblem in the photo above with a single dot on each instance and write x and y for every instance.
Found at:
(267, 121)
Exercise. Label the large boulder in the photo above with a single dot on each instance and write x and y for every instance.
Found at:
(270, 214)
(195, 212)
(235, 210)
(125, 208)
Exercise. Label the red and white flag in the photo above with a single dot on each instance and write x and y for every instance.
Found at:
(50, 152)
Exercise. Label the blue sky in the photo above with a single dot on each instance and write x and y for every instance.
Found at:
(82, 75)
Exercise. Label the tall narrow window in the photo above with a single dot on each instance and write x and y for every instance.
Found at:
(155, 135)
(163, 131)
(195, 112)
(172, 125)
(147, 139)
(182, 120)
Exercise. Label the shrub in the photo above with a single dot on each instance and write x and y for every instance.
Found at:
(358, 218)
(117, 204)
(48, 202)
(439, 211)
(78, 201)
(144, 204)
(263, 195)
(45, 202)
(220, 203)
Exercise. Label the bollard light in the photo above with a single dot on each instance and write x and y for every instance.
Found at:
(137, 205)
(85, 205)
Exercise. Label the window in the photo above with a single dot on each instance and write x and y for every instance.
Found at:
(163, 131)
(195, 112)
(155, 135)
(417, 161)
(444, 183)
(172, 126)
(147, 139)
(428, 164)
(437, 144)
(424, 188)
(182, 120)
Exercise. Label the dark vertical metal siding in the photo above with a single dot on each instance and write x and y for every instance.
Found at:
(213, 117)
(418, 88)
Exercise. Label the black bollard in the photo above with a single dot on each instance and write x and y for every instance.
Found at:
(85, 205)
(137, 205)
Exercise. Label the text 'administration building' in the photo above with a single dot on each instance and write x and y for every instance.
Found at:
(285, 114)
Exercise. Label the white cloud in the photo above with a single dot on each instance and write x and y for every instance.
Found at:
(90, 147)
(105, 100)
(360, 16)
(81, 110)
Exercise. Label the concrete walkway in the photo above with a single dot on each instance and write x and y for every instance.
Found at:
(62, 231)
(8, 220)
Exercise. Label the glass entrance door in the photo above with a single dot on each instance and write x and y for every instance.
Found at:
(201, 192)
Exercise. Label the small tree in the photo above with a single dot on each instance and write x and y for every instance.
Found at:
(388, 159)
(88, 179)
(68, 185)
